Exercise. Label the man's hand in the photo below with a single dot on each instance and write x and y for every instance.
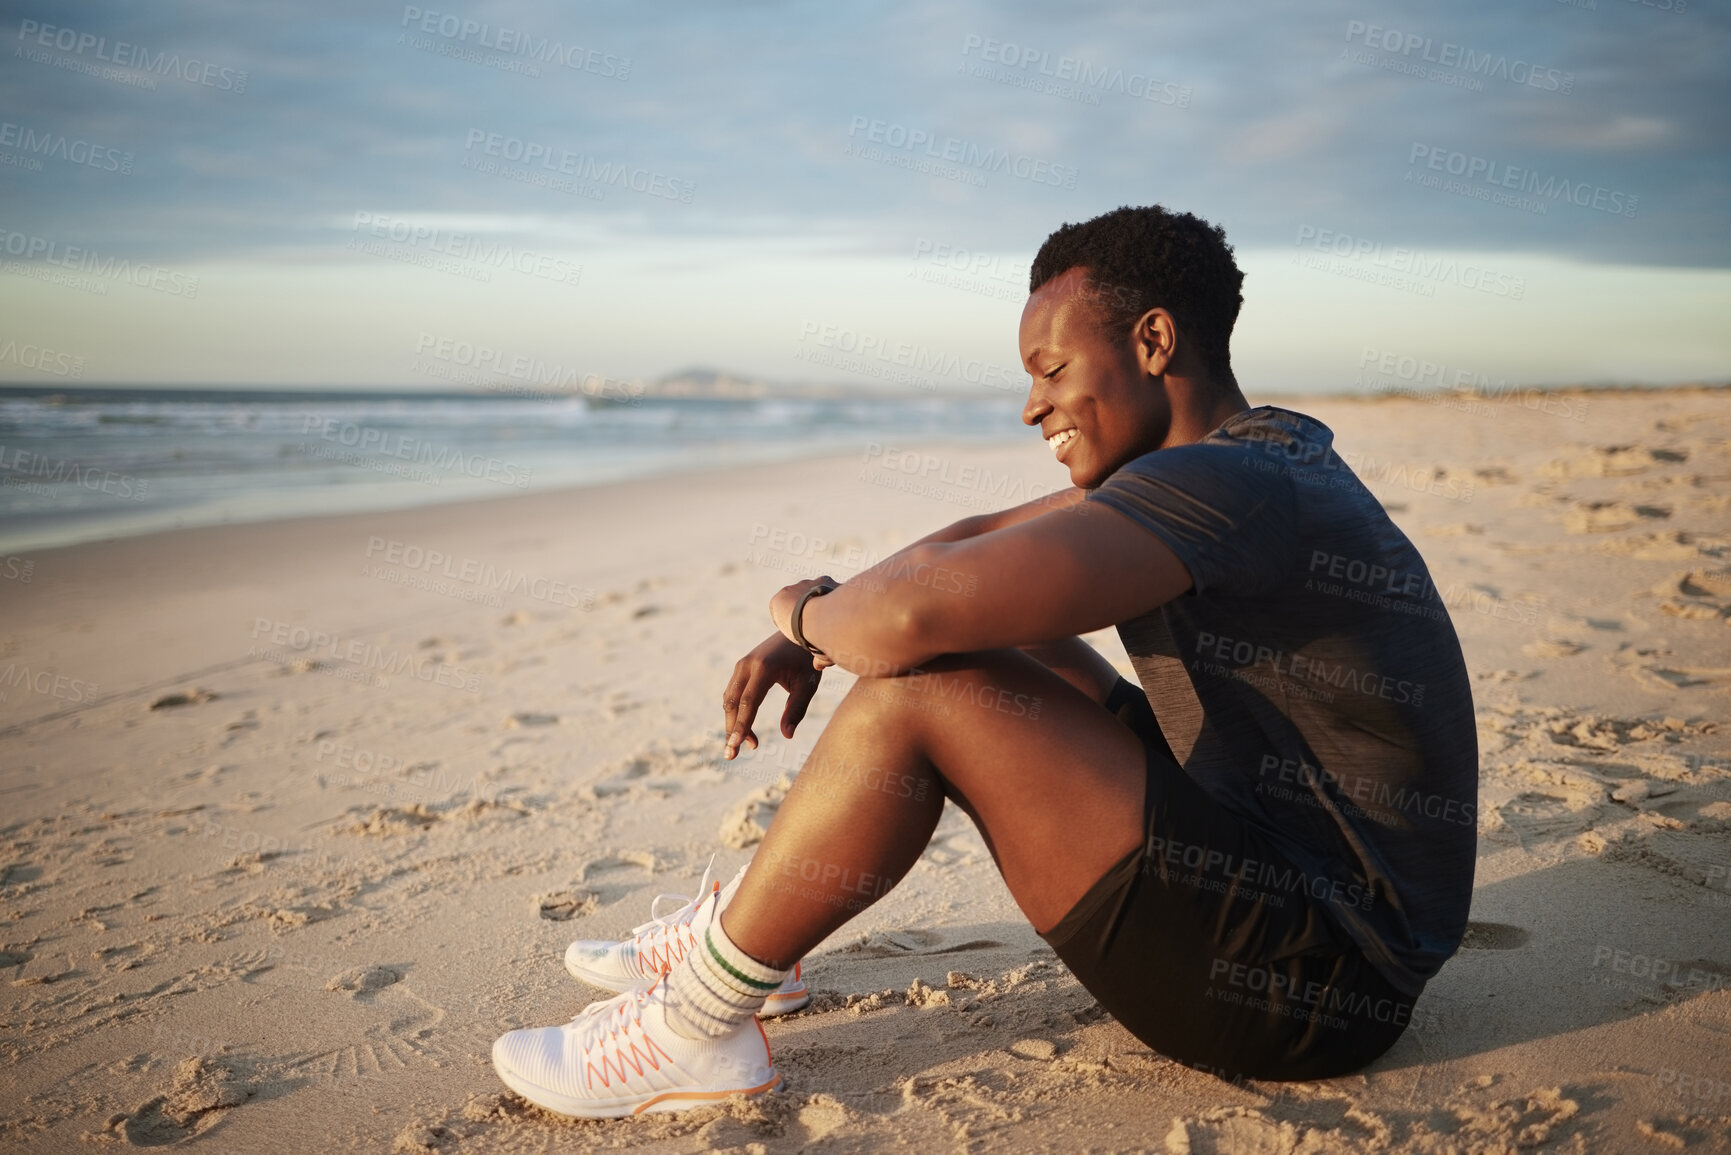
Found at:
(775, 662)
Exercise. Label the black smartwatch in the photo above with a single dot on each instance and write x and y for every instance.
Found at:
(816, 591)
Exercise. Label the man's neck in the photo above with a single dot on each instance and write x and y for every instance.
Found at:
(1200, 405)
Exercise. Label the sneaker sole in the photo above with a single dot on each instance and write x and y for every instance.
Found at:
(626, 1105)
(785, 1002)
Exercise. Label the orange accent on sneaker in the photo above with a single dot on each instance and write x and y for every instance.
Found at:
(706, 1095)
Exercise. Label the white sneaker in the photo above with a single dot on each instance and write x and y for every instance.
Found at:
(662, 941)
(621, 1057)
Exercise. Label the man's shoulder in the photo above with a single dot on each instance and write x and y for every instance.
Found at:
(1264, 440)
(1267, 424)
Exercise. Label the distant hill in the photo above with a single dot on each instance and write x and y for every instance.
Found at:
(701, 382)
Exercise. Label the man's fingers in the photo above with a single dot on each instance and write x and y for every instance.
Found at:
(741, 710)
(799, 697)
(730, 697)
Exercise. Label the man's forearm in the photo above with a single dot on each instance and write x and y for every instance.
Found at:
(987, 522)
(866, 622)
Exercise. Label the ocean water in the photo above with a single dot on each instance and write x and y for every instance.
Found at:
(98, 463)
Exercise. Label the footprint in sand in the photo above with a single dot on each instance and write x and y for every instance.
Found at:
(406, 1032)
(1493, 936)
(297, 666)
(1685, 854)
(392, 820)
(1612, 461)
(1694, 611)
(1498, 677)
(1673, 545)
(1552, 648)
(624, 781)
(1697, 594)
(1610, 734)
(620, 860)
(193, 697)
(1609, 516)
(1652, 669)
(1543, 815)
(748, 821)
(1550, 775)
(1497, 1119)
(204, 1089)
(603, 881)
(660, 768)
(565, 905)
(362, 981)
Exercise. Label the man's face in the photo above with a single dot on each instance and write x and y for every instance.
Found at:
(1092, 396)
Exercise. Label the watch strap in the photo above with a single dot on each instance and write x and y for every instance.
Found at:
(816, 591)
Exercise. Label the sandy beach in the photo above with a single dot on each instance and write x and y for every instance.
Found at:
(298, 816)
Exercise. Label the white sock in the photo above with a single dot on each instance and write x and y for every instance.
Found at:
(716, 987)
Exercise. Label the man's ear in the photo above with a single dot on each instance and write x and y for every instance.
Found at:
(1156, 341)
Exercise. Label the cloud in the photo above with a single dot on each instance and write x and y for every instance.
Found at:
(1266, 117)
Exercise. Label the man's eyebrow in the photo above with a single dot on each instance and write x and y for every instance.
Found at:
(1033, 354)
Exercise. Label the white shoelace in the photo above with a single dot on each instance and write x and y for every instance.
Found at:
(661, 923)
(609, 1017)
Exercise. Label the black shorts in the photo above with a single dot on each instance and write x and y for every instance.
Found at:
(1241, 980)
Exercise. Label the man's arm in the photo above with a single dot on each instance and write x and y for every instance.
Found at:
(1043, 578)
(777, 661)
(1071, 658)
(988, 522)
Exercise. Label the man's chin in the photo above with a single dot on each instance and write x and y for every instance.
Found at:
(1087, 474)
(1084, 479)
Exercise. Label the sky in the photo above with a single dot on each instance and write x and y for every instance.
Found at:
(364, 194)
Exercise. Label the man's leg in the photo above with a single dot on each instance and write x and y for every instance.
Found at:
(1077, 663)
(1054, 782)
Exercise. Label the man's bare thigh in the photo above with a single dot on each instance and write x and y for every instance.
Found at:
(1055, 782)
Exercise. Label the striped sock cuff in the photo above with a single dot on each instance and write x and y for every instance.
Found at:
(748, 976)
(717, 986)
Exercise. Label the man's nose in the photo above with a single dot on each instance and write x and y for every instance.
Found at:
(1037, 406)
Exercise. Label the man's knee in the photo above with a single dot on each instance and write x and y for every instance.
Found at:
(969, 691)
(899, 695)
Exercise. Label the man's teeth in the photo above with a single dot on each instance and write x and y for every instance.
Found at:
(1058, 440)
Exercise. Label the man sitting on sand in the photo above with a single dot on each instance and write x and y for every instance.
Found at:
(1255, 859)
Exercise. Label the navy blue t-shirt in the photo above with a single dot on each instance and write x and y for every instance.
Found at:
(1311, 681)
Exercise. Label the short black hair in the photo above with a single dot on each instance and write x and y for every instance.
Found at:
(1142, 258)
